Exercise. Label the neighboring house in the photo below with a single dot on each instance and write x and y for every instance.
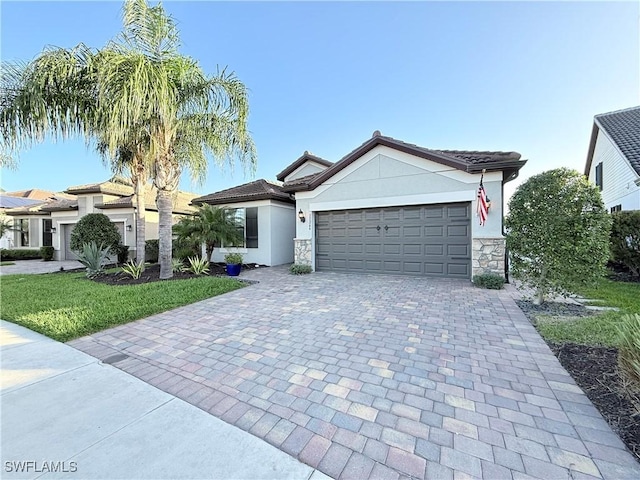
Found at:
(613, 160)
(8, 202)
(393, 207)
(51, 221)
(267, 216)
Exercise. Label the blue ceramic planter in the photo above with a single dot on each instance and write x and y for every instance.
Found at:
(233, 270)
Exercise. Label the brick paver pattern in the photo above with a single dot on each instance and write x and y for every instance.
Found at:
(365, 376)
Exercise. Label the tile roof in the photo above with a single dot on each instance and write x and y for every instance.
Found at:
(51, 204)
(623, 128)
(257, 190)
(306, 157)
(34, 193)
(181, 202)
(108, 187)
(469, 161)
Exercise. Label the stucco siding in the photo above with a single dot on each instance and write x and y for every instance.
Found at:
(618, 178)
(386, 177)
(307, 168)
(275, 228)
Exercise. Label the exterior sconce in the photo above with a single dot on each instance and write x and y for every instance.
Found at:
(53, 229)
(488, 204)
(301, 216)
(129, 228)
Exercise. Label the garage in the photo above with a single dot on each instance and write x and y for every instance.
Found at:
(424, 240)
(68, 253)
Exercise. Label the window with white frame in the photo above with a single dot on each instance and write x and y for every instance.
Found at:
(22, 227)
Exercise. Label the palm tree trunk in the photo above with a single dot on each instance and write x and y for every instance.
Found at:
(140, 221)
(165, 207)
(166, 176)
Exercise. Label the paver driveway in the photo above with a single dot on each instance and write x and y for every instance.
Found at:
(376, 377)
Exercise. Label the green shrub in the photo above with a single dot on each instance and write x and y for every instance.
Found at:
(177, 265)
(132, 268)
(198, 265)
(183, 249)
(123, 253)
(93, 257)
(97, 228)
(151, 251)
(489, 280)
(297, 269)
(625, 239)
(19, 254)
(233, 259)
(629, 348)
(47, 253)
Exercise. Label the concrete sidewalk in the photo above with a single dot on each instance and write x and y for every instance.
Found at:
(65, 411)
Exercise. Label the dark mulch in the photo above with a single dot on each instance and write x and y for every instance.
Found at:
(595, 370)
(152, 274)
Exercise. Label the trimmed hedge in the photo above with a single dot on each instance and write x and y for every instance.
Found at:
(151, 251)
(489, 280)
(47, 253)
(298, 269)
(98, 228)
(19, 254)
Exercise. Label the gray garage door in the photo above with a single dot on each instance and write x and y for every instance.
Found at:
(433, 240)
(68, 253)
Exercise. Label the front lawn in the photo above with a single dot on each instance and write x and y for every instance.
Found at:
(600, 329)
(65, 306)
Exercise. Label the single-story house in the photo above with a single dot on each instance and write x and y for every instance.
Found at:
(51, 221)
(267, 215)
(11, 200)
(613, 159)
(387, 207)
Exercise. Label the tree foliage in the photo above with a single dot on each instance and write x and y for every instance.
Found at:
(209, 226)
(140, 100)
(96, 228)
(557, 232)
(625, 239)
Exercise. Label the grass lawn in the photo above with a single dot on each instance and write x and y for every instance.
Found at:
(65, 306)
(4, 264)
(599, 329)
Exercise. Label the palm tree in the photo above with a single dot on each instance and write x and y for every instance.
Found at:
(138, 84)
(209, 226)
(189, 115)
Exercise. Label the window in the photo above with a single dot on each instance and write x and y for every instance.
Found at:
(617, 208)
(47, 238)
(599, 175)
(247, 219)
(22, 227)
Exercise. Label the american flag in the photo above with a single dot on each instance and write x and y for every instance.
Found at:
(482, 203)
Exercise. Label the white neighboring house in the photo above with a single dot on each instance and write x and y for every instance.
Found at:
(613, 160)
(7, 202)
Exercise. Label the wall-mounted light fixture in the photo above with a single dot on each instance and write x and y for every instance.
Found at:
(53, 229)
(301, 216)
(129, 228)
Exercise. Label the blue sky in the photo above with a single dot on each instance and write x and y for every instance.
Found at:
(525, 77)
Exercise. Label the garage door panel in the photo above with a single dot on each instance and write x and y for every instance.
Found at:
(419, 240)
(434, 231)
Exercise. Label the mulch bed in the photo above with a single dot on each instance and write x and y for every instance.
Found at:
(595, 370)
(152, 274)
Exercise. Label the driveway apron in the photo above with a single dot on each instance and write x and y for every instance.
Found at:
(365, 376)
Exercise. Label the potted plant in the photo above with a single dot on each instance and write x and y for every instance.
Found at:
(234, 264)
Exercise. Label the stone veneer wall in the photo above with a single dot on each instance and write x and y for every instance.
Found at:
(488, 256)
(302, 254)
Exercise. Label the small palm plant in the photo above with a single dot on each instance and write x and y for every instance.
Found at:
(209, 226)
